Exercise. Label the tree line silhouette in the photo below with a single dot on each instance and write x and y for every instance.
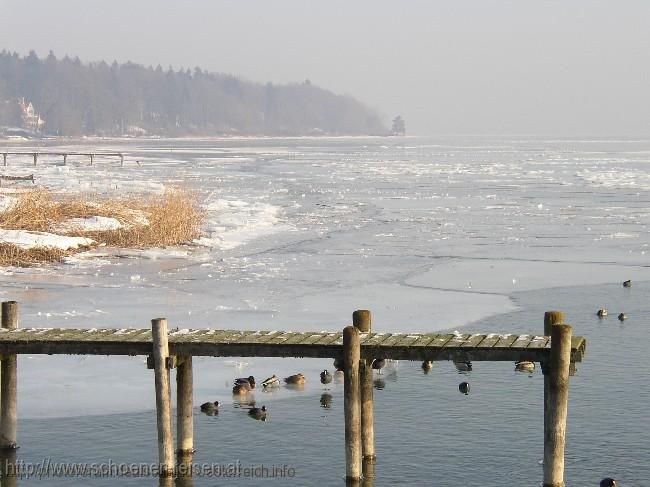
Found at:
(75, 98)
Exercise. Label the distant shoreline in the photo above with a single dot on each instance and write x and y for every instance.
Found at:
(197, 138)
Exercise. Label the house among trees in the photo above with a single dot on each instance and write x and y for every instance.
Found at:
(32, 121)
(399, 126)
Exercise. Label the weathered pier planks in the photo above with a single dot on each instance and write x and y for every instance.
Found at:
(324, 344)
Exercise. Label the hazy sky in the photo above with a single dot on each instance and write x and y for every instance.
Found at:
(565, 67)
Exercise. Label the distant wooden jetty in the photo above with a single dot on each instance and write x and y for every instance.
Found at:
(4, 177)
(65, 154)
(556, 350)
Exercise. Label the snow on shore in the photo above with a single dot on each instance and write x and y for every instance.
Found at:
(30, 240)
(90, 224)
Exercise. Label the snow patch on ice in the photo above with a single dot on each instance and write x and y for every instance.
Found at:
(89, 224)
(6, 202)
(31, 240)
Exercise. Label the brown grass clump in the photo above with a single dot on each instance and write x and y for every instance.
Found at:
(34, 211)
(15, 256)
(172, 218)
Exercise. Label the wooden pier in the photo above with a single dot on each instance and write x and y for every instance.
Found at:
(36, 154)
(357, 345)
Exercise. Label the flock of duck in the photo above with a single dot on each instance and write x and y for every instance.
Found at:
(244, 385)
(602, 313)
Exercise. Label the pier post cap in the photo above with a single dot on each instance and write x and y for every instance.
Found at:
(552, 318)
(10, 315)
(350, 333)
(159, 329)
(362, 320)
(158, 322)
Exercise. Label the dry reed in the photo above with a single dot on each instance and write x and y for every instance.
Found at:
(172, 218)
(11, 255)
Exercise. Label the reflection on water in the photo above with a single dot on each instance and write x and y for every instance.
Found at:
(368, 469)
(245, 401)
(210, 412)
(426, 366)
(463, 366)
(326, 400)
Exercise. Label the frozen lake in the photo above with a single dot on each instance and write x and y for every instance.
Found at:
(427, 233)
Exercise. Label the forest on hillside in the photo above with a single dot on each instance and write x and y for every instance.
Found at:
(66, 97)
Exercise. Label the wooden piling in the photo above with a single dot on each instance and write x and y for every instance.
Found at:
(362, 321)
(184, 414)
(163, 397)
(558, 404)
(352, 403)
(35, 157)
(4, 159)
(92, 158)
(9, 383)
(65, 159)
(550, 318)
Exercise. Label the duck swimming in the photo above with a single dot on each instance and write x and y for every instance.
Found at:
(464, 388)
(378, 364)
(601, 313)
(325, 377)
(295, 379)
(272, 381)
(339, 364)
(427, 365)
(258, 413)
(210, 408)
(622, 317)
(246, 380)
(627, 283)
(524, 366)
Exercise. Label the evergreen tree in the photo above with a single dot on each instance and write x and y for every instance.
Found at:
(399, 126)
